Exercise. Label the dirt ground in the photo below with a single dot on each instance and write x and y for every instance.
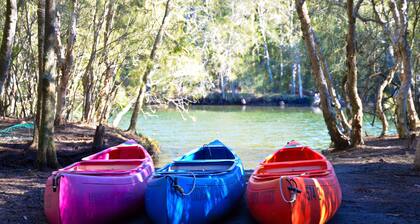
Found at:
(377, 180)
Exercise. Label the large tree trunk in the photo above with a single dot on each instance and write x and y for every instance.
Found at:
(47, 156)
(340, 140)
(41, 34)
(7, 41)
(403, 52)
(67, 67)
(356, 137)
(142, 89)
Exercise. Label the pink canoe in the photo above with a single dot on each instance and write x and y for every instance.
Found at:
(100, 188)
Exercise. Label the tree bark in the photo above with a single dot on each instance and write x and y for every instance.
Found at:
(119, 116)
(340, 140)
(296, 74)
(299, 75)
(88, 77)
(329, 80)
(98, 139)
(356, 137)
(110, 67)
(47, 156)
(412, 113)
(263, 34)
(67, 67)
(142, 89)
(417, 155)
(281, 64)
(7, 41)
(379, 109)
(293, 85)
(400, 12)
(41, 34)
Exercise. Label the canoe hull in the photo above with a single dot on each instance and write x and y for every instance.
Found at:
(101, 188)
(93, 199)
(210, 199)
(317, 203)
(199, 187)
(294, 185)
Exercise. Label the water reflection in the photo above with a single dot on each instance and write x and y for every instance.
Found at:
(253, 132)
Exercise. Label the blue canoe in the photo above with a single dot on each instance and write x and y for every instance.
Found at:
(199, 187)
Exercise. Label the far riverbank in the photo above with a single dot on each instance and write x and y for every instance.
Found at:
(217, 98)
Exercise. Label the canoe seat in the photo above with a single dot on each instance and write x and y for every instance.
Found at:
(211, 152)
(201, 166)
(121, 152)
(104, 166)
(293, 167)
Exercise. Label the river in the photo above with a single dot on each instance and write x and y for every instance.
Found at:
(252, 132)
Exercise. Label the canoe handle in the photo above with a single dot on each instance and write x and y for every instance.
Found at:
(178, 188)
(56, 181)
(292, 188)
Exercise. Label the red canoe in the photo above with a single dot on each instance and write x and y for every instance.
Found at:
(101, 187)
(294, 185)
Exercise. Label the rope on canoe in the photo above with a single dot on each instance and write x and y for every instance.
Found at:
(56, 181)
(178, 188)
(8, 131)
(292, 188)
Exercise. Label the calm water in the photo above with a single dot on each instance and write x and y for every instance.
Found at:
(253, 132)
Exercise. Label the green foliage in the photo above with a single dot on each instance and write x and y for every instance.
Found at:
(208, 46)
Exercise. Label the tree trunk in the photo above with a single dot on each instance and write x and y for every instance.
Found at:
(88, 77)
(281, 65)
(400, 12)
(338, 138)
(120, 114)
(263, 34)
(296, 74)
(293, 85)
(41, 34)
(138, 105)
(222, 84)
(67, 67)
(329, 80)
(417, 155)
(142, 90)
(98, 139)
(7, 41)
(379, 109)
(299, 75)
(110, 67)
(47, 156)
(356, 137)
(412, 113)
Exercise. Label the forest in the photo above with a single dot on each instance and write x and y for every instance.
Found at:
(64, 61)
(80, 76)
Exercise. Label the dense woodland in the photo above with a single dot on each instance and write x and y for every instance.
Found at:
(78, 60)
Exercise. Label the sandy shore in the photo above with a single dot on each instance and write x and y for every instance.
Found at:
(377, 180)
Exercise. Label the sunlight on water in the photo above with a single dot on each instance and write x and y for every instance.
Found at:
(252, 132)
